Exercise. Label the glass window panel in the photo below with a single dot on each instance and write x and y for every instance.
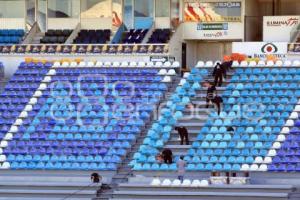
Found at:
(162, 8)
(30, 13)
(175, 13)
(143, 8)
(63, 8)
(128, 9)
(96, 8)
(12, 9)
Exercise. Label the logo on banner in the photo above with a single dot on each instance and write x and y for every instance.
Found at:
(269, 48)
(218, 34)
(289, 22)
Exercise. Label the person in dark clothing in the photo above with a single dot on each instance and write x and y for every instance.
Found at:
(184, 135)
(230, 129)
(167, 155)
(95, 178)
(211, 90)
(219, 73)
(217, 101)
(227, 65)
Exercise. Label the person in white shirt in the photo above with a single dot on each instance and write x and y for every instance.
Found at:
(181, 168)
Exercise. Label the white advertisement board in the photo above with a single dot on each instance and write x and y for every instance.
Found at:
(279, 28)
(261, 49)
(213, 31)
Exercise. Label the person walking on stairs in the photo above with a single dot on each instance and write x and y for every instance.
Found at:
(211, 92)
(183, 134)
(181, 168)
(168, 156)
(218, 74)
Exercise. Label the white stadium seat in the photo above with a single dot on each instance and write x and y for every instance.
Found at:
(289, 122)
(204, 183)
(141, 64)
(2, 158)
(245, 167)
(56, 64)
(13, 129)
(73, 64)
(43, 86)
(167, 79)
(235, 64)
(263, 167)
(107, 64)
(176, 64)
(258, 159)
(166, 182)
(99, 64)
(65, 64)
(209, 64)
(116, 64)
(37, 93)
(272, 153)
(252, 63)
(23, 114)
(261, 63)
(287, 63)
(171, 72)
(8, 136)
(162, 72)
(276, 145)
(52, 72)
(28, 108)
(167, 64)
(3, 144)
(5, 165)
(176, 182)
(254, 167)
(155, 182)
(132, 64)
(280, 138)
(294, 115)
(279, 63)
(82, 64)
(186, 74)
(200, 64)
(244, 64)
(150, 64)
(285, 130)
(124, 64)
(296, 63)
(33, 101)
(90, 64)
(158, 64)
(297, 108)
(186, 182)
(182, 82)
(19, 121)
(196, 183)
(268, 160)
(47, 79)
(270, 63)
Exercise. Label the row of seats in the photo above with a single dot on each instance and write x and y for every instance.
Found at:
(118, 64)
(56, 36)
(11, 36)
(134, 36)
(178, 183)
(93, 37)
(261, 63)
(160, 36)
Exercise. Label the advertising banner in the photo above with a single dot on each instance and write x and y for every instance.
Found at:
(260, 49)
(199, 11)
(85, 49)
(213, 31)
(294, 48)
(279, 28)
